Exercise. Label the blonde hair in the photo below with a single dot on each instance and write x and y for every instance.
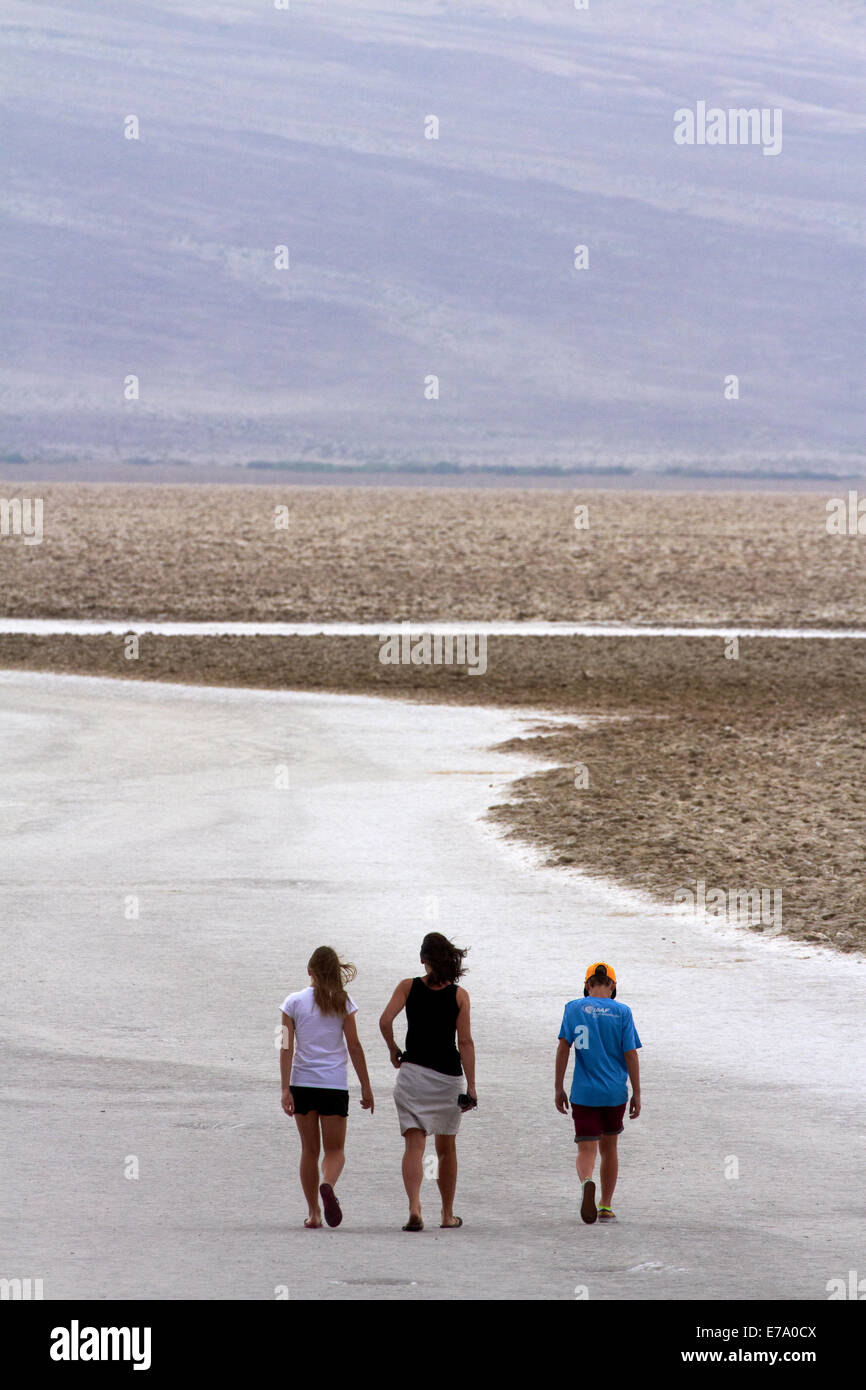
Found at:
(330, 977)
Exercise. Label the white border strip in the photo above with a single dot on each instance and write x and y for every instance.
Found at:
(99, 627)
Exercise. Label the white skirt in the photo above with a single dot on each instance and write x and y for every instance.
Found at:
(427, 1100)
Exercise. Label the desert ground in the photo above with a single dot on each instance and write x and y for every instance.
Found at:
(741, 772)
(420, 553)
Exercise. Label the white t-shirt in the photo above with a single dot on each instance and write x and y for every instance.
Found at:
(320, 1047)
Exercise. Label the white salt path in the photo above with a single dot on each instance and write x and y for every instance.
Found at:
(95, 627)
(150, 1042)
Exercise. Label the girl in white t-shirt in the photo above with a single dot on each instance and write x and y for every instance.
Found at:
(319, 1033)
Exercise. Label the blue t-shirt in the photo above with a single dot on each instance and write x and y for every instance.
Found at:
(601, 1031)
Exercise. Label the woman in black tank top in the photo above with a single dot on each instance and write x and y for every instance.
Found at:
(438, 1049)
(431, 1023)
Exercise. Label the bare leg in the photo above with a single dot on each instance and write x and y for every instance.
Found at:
(333, 1142)
(586, 1152)
(446, 1152)
(308, 1128)
(413, 1168)
(609, 1168)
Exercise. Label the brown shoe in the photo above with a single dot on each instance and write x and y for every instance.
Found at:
(588, 1212)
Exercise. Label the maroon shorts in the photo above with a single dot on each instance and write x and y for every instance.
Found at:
(593, 1121)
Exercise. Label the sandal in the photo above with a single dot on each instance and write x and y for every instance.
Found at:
(451, 1225)
(588, 1211)
(333, 1214)
(414, 1224)
(606, 1214)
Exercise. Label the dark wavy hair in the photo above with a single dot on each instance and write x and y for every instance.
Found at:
(444, 958)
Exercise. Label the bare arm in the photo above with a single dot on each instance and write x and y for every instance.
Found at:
(287, 1052)
(386, 1023)
(465, 1045)
(560, 1099)
(359, 1061)
(633, 1069)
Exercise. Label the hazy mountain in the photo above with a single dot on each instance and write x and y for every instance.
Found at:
(410, 256)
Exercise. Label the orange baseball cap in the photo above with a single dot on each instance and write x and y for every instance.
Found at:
(608, 970)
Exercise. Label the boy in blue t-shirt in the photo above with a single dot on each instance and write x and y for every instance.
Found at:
(605, 1044)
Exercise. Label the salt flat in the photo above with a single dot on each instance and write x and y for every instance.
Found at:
(152, 1039)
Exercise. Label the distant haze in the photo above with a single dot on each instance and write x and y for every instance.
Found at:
(410, 257)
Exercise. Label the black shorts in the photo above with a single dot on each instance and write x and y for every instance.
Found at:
(320, 1099)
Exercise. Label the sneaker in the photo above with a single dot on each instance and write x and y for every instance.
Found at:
(588, 1211)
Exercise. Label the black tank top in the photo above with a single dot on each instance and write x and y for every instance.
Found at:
(431, 1016)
